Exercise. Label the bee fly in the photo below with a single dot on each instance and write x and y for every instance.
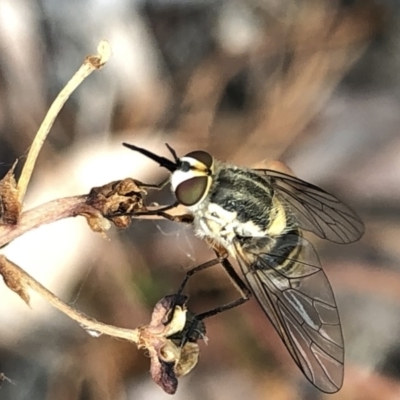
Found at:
(258, 216)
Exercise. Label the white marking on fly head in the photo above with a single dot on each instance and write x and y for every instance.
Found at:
(179, 176)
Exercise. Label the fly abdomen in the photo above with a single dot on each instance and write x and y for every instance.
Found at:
(276, 257)
(284, 252)
(278, 254)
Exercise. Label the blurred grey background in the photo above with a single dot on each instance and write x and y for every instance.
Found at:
(313, 83)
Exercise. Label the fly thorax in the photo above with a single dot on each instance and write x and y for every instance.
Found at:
(222, 225)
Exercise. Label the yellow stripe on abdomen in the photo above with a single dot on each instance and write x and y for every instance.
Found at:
(278, 224)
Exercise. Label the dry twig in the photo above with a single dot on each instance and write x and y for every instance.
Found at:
(91, 63)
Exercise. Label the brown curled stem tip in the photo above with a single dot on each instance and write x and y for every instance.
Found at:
(14, 279)
(171, 340)
(4, 378)
(104, 53)
(10, 207)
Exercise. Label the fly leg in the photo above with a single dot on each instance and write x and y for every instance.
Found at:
(194, 328)
(191, 330)
(222, 258)
(162, 212)
(240, 286)
(195, 270)
(155, 186)
(188, 275)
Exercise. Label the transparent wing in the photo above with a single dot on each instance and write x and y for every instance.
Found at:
(297, 297)
(316, 210)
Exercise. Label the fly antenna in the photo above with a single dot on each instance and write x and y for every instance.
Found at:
(164, 162)
(173, 152)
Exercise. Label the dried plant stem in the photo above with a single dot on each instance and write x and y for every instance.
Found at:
(40, 215)
(90, 64)
(11, 269)
(54, 211)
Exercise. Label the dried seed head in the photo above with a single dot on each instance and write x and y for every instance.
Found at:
(171, 340)
(118, 197)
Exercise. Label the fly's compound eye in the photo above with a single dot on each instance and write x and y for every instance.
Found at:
(193, 190)
(203, 157)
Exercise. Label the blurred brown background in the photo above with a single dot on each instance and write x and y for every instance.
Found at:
(312, 83)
